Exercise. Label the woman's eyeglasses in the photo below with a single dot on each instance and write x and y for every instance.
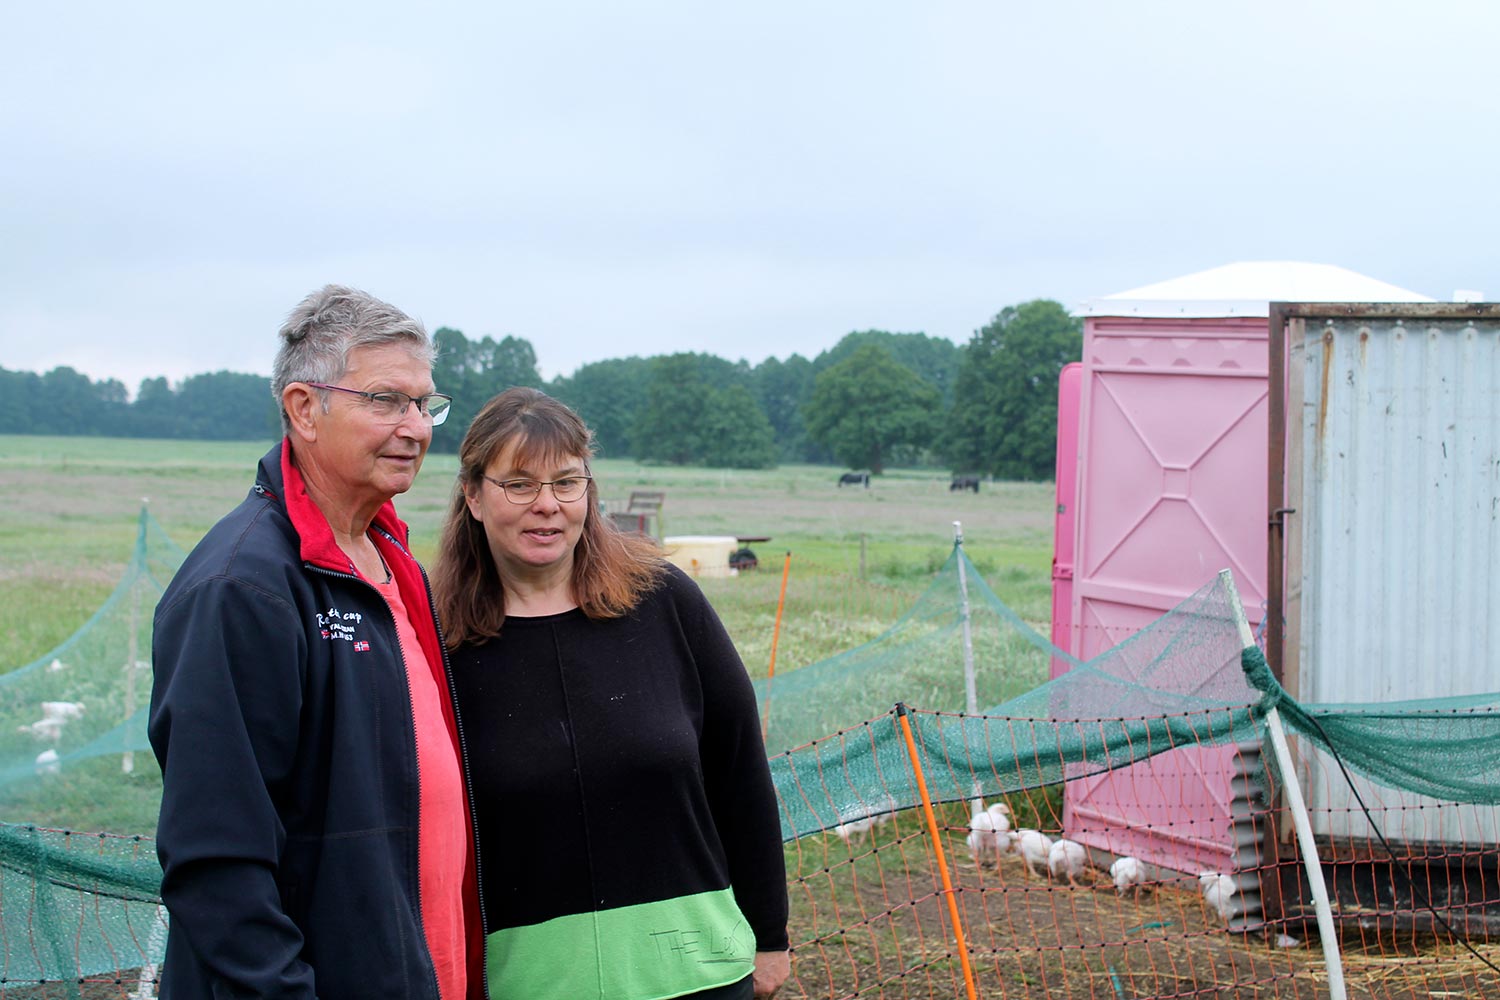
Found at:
(522, 491)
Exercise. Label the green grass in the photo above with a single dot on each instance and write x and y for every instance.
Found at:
(69, 509)
(69, 506)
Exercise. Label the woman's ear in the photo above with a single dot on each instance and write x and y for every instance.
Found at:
(471, 498)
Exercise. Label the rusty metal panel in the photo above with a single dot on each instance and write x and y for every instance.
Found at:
(1393, 417)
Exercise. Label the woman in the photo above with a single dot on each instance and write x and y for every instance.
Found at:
(628, 827)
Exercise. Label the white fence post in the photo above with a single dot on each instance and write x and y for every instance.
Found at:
(970, 689)
(1327, 933)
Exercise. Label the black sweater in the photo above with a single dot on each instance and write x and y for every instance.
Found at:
(618, 771)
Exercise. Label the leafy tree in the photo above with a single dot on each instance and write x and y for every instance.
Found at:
(112, 392)
(670, 424)
(474, 371)
(456, 371)
(608, 395)
(699, 409)
(783, 388)
(736, 433)
(869, 404)
(154, 411)
(23, 404)
(1004, 418)
(114, 407)
(454, 361)
(509, 361)
(934, 359)
(681, 392)
(226, 406)
(222, 405)
(73, 404)
(717, 373)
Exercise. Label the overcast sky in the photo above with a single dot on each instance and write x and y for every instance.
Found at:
(606, 179)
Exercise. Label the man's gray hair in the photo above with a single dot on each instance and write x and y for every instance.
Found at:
(321, 332)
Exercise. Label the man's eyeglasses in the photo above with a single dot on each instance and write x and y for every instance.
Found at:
(390, 407)
(523, 491)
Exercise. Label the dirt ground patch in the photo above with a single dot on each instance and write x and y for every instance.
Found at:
(874, 922)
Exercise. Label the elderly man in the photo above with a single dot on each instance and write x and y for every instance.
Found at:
(315, 836)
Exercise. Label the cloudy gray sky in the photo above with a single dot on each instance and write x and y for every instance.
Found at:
(607, 178)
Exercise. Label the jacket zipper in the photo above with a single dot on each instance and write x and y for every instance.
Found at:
(463, 746)
(463, 756)
(437, 990)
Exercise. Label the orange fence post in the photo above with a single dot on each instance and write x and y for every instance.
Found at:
(786, 570)
(937, 846)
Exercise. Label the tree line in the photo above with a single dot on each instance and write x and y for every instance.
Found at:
(873, 400)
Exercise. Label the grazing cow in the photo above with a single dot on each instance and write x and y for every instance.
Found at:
(964, 483)
(855, 479)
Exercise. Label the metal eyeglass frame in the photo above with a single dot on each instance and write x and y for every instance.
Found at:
(422, 402)
(538, 483)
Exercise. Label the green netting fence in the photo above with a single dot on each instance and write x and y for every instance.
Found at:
(78, 907)
(77, 904)
(1178, 683)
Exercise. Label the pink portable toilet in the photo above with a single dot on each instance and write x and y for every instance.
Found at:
(1069, 381)
(1171, 488)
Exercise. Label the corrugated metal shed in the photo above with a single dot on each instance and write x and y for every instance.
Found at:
(1171, 488)
(1393, 546)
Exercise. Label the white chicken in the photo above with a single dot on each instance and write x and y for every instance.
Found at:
(856, 823)
(44, 729)
(1218, 891)
(47, 762)
(55, 715)
(63, 710)
(1033, 846)
(1067, 859)
(1129, 875)
(987, 831)
(860, 817)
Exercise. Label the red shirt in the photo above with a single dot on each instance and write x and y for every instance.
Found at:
(442, 841)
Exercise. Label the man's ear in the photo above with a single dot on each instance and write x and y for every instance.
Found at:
(302, 404)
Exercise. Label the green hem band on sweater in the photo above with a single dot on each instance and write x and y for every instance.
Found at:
(651, 951)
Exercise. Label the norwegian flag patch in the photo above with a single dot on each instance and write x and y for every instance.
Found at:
(361, 646)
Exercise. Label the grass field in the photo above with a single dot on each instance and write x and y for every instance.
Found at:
(68, 511)
(866, 918)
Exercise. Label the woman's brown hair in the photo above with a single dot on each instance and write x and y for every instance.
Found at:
(612, 570)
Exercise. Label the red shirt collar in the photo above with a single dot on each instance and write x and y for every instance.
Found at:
(317, 541)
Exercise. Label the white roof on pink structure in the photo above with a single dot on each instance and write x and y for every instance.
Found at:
(1247, 289)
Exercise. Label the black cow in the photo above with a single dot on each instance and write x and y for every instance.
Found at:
(855, 479)
(964, 483)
